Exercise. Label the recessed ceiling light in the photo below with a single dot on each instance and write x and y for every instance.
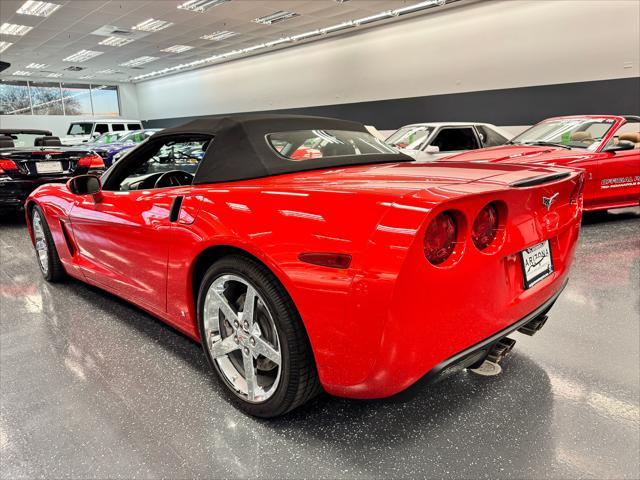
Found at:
(82, 56)
(38, 9)
(201, 5)
(116, 41)
(13, 29)
(4, 46)
(217, 36)
(21, 73)
(138, 61)
(36, 66)
(152, 25)
(275, 18)
(54, 75)
(177, 49)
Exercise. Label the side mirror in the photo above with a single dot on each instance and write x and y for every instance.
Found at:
(432, 149)
(621, 145)
(85, 185)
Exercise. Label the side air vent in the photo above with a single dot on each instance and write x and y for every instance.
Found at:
(541, 180)
(67, 238)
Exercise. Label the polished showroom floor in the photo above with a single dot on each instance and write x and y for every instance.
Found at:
(92, 387)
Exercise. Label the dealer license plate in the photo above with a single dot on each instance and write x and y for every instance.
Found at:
(537, 263)
(48, 167)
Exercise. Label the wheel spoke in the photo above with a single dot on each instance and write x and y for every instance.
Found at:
(223, 347)
(261, 347)
(250, 376)
(220, 302)
(248, 310)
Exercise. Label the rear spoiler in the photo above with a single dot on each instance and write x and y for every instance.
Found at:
(541, 180)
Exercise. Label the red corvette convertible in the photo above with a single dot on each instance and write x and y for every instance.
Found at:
(359, 271)
(607, 147)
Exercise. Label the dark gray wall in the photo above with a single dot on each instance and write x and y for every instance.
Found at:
(512, 106)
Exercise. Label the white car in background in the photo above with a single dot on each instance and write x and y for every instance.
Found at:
(83, 131)
(430, 141)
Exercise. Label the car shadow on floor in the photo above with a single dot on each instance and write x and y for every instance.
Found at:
(606, 216)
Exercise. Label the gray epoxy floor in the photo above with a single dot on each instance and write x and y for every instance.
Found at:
(91, 387)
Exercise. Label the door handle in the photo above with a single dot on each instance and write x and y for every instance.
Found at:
(174, 212)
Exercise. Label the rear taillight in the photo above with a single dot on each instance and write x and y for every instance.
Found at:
(440, 238)
(485, 227)
(7, 165)
(577, 190)
(91, 161)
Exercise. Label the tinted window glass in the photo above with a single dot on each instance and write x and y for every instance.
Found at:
(453, 139)
(101, 128)
(307, 144)
(490, 138)
(117, 127)
(134, 126)
(80, 129)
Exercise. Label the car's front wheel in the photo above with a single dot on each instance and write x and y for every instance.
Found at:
(254, 338)
(48, 260)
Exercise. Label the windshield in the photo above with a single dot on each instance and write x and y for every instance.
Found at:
(585, 133)
(411, 138)
(309, 144)
(106, 138)
(80, 129)
(137, 136)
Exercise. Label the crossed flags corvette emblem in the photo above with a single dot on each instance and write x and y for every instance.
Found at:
(548, 201)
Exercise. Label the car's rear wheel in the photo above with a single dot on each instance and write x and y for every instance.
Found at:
(254, 338)
(48, 260)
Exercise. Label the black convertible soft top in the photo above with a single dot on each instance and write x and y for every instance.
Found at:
(240, 150)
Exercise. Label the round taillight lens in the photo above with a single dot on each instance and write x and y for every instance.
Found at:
(485, 227)
(440, 238)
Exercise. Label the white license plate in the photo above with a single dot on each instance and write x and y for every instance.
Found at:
(537, 263)
(48, 167)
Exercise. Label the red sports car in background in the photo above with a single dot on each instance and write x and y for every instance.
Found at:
(358, 271)
(607, 147)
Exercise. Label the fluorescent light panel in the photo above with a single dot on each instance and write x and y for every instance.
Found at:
(138, 61)
(21, 73)
(36, 66)
(177, 49)
(218, 36)
(201, 5)
(82, 56)
(276, 17)
(54, 75)
(108, 71)
(38, 9)
(302, 36)
(152, 25)
(4, 46)
(14, 29)
(116, 41)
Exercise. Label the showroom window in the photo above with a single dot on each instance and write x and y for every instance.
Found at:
(19, 97)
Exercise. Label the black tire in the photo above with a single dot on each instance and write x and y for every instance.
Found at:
(298, 377)
(54, 271)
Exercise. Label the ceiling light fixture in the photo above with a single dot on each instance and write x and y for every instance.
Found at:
(82, 56)
(138, 61)
(36, 66)
(21, 73)
(14, 29)
(108, 71)
(116, 41)
(86, 77)
(201, 5)
(218, 36)
(294, 38)
(276, 17)
(177, 49)
(54, 75)
(152, 25)
(38, 9)
(4, 46)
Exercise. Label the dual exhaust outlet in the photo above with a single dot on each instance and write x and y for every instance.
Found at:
(504, 346)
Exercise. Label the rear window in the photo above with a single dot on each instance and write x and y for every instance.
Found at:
(303, 145)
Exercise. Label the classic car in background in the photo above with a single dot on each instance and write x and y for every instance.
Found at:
(429, 141)
(607, 147)
(342, 271)
(111, 149)
(87, 130)
(29, 158)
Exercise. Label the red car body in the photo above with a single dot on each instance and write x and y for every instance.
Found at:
(612, 179)
(375, 327)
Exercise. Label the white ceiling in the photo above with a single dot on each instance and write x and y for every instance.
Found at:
(68, 30)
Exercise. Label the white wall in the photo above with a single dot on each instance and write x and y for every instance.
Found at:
(479, 46)
(59, 124)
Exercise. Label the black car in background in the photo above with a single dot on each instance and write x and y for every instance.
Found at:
(29, 158)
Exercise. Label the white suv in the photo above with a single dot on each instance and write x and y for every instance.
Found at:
(86, 130)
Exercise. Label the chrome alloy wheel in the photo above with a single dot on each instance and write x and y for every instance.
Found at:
(242, 338)
(42, 248)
